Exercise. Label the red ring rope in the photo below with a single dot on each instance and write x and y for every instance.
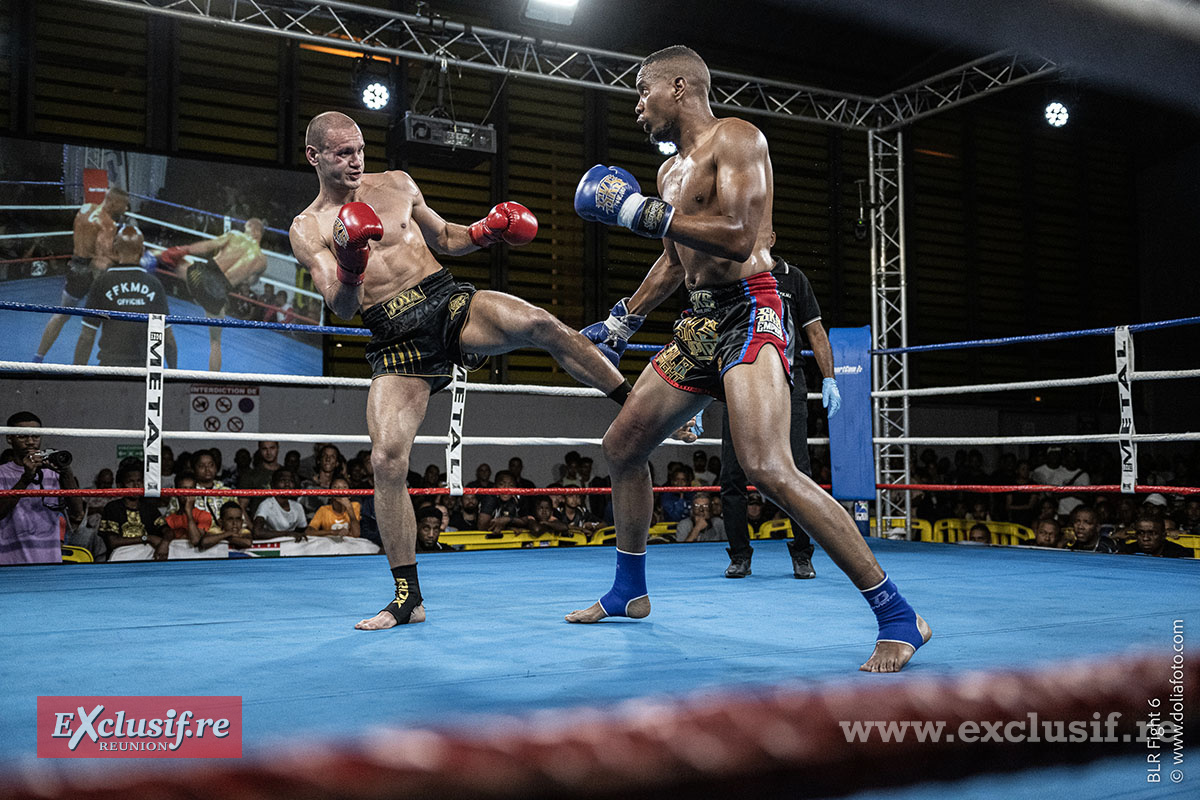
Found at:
(770, 742)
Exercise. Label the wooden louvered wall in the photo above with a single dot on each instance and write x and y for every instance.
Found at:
(1013, 227)
(7, 85)
(1016, 228)
(90, 75)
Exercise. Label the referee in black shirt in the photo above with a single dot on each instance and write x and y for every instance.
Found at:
(795, 289)
(125, 286)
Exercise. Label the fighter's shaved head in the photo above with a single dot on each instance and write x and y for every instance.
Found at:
(683, 62)
(127, 244)
(322, 124)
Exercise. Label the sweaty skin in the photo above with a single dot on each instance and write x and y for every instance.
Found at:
(721, 185)
(239, 256)
(94, 229)
(412, 233)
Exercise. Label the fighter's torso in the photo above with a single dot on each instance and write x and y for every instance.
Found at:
(401, 258)
(689, 183)
(91, 223)
(239, 258)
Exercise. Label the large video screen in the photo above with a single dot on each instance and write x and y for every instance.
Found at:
(214, 244)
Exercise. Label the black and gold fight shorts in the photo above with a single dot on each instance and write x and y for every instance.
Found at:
(80, 277)
(209, 287)
(417, 332)
(726, 326)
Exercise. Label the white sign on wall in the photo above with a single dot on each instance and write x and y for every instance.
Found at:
(223, 408)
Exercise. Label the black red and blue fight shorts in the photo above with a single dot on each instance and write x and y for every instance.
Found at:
(726, 326)
(209, 287)
(417, 332)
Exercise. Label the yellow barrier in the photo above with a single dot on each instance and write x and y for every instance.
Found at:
(76, 555)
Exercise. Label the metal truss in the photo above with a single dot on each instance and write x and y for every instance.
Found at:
(889, 324)
(971, 81)
(471, 48)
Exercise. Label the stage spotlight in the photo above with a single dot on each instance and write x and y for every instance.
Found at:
(375, 95)
(556, 12)
(1057, 114)
(667, 148)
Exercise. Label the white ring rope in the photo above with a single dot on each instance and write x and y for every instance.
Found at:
(997, 387)
(1156, 375)
(1072, 439)
(293, 380)
(531, 389)
(350, 438)
(98, 433)
(7, 236)
(203, 235)
(163, 224)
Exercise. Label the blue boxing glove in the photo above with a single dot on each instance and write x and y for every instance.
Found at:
(831, 396)
(612, 196)
(613, 334)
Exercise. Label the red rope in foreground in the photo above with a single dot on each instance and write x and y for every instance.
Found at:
(773, 742)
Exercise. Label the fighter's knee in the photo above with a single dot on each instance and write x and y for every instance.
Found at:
(617, 451)
(544, 328)
(389, 462)
(767, 477)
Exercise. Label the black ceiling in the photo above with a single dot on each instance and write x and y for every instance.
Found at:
(1148, 49)
(761, 38)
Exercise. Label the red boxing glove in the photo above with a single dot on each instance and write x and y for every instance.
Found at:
(356, 223)
(509, 222)
(172, 255)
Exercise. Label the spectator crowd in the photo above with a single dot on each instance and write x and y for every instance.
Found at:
(33, 529)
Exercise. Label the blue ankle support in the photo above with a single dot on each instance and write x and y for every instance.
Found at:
(629, 585)
(897, 620)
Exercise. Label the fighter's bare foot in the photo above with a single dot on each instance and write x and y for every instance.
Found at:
(636, 609)
(384, 620)
(891, 656)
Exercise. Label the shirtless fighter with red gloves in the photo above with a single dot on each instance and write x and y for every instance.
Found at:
(369, 241)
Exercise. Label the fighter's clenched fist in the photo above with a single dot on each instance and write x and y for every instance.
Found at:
(356, 224)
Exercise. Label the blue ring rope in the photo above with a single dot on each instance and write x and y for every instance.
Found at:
(181, 320)
(326, 329)
(1036, 337)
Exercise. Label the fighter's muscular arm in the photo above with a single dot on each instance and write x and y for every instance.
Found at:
(313, 252)
(743, 185)
(660, 282)
(665, 275)
(103, 257)
(822, 350)
(444, 238)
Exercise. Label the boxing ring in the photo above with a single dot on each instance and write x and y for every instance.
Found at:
(728, 686)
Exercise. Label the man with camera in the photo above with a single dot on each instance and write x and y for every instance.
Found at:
(29, 526)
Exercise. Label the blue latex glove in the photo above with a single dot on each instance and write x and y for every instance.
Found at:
(831, 396)
(612, 335)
